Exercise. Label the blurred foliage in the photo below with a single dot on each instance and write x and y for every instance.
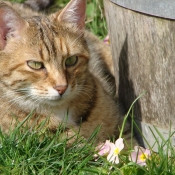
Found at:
(95, 21)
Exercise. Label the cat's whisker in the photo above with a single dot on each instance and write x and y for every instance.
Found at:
(38, 102)
(15, 100)
(10, 102)
(96, 67)
(81, 90)
(79, 94)
(99, 72)
(35, 100)
(6, 96)
(93, 67)
(107, 80)
(82, 95)
(81, 83)
(86, 89)
(18, 99)
(85, 86)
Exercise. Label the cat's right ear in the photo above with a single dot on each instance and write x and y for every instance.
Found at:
(11, 24)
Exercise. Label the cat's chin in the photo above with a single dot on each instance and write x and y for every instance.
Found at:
(55, 102)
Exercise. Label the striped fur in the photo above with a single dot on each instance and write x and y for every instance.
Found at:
(87, 100)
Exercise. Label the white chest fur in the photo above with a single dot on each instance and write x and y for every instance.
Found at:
(63, 114)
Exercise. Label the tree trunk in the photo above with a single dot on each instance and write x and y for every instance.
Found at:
(143, 49)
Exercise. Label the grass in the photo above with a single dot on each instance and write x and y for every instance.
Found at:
(39, 152)
(26, 152)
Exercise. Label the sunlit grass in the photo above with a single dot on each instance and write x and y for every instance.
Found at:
(38, 151)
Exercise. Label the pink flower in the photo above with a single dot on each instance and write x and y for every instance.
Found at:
(110, 150)
(106, 40)
(140, 155)
(104, 148)
(115, 150)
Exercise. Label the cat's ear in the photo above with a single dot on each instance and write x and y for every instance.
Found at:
(75, 13)
(11, 24)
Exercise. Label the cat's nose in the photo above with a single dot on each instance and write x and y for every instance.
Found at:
(61, 89)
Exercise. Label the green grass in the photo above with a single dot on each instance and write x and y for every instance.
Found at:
(27, 152)
(39, 152)
(24, 151)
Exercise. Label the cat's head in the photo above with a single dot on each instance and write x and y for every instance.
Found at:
(43, 60)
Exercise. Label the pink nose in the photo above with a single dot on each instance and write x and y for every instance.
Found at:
(61, 89)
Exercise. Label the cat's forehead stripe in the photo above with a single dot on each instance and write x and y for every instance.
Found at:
(44, 42)
(47, 41)
(63, 48)
(46, 36)
(54, 41)
(54, 44)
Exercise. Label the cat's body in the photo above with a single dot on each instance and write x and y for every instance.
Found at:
(48, 64)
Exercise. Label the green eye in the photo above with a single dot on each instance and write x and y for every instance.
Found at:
(35, 65)
(71, 61)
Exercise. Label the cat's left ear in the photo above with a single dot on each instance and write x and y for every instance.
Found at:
(74, 12)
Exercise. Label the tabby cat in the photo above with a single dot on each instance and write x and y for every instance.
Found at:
(53, 65)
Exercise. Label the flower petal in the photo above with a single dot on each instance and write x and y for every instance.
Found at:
(104, 148)
(119, 144)
(116, 160)
(133, 156)
(140, 155)
(110, 157)
(148, 152)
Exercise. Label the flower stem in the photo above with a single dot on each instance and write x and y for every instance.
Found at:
(126, 116)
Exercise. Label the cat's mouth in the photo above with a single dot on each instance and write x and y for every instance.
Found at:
(46, 95)
(41, 97)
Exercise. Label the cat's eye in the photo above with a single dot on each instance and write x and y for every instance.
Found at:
(35, 65)
(71, 61)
